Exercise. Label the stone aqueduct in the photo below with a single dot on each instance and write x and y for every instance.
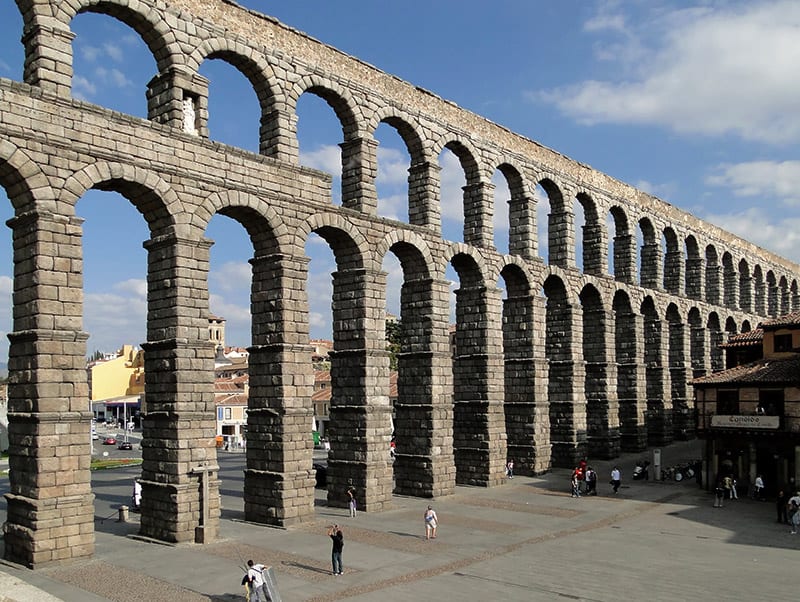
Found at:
(572, 362)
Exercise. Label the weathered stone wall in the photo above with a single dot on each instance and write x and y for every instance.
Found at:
(596, 365)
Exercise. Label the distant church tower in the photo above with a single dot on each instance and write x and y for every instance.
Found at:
(216, 330)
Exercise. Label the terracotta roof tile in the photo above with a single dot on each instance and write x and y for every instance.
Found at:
(775, 371)
(791, 319)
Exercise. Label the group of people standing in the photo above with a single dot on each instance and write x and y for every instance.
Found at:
(584, 480)
(788, 509)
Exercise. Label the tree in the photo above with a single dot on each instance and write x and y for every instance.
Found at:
(394, 334)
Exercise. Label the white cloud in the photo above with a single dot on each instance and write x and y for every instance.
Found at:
(781, 237)
(113, 77)
(726, 69)
(764, 179)
(232, 276)
(327, 158)
(82, 88)
(5, 68)
(392, 166)
(118, 317)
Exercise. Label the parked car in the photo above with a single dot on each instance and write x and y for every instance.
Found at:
(95, 436)
(321, 476)
(125, 445)
(110, 441)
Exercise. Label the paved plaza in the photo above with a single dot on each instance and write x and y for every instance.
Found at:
(527, 540)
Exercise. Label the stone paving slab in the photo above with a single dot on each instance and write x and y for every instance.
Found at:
(527, 540)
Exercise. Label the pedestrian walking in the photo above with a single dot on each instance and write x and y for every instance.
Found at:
(782, 507)
(591, 481)
(431, 522)
(794, 512)
(510, 469)
(719, 494)
(576, 488)
(137, 494)
(616, 478)
(337, 538)
(727, 483)
(255, 581)
(758, 487)
(734, 495)
(351, 500)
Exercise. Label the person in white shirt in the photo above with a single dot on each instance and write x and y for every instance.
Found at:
(256, 580)
(758, 488)
(616, 478)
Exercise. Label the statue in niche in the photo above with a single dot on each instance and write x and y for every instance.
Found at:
(189, 116)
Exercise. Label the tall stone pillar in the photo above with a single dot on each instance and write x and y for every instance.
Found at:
(595, 250)
(567, 376)
(731, 287)
(631, 382)
(278, 482)
(522, 226)
(179, 99)
(624, 258)
(701, 360)
(423, 196)
(180, 484)
(694, 277)
(602, 405)
(526, 407)
(745, 293)
(423, 464)
(48, 55)
(651, 266)
(713, 273)
(359, 170)
(673, 272)
(659, 412)
(680, 373)
(360, 414)
(478, 212)
(50, 513)
(278, 135)
(772, 298)
(561, 238)
(478, 419)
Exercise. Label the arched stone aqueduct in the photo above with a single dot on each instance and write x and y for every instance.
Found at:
(572, 362)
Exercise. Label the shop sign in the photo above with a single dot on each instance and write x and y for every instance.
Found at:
(746, 422)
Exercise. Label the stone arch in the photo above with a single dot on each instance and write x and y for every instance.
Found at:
(594, 236)
(25, 184)
(694, 269)
(772, 294)
(265, 227)
(349, 246)
(560, 225)
(339, 98)
(746, 326)
(477, 376)
(524, 410)
(624, 249)
(423, 210)
(730, 325)
(148, 192)
(795, 296)
(416, 254)
(673, 262)
(254, 66)
(407, 127)
(712, 275)
(151, 25)
(649, 255)
(521, 211)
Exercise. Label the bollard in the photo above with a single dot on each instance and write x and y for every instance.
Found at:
(123, 514)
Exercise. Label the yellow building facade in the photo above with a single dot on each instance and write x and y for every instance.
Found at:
(118, 377)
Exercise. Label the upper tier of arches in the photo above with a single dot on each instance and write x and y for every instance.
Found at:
(626, 234)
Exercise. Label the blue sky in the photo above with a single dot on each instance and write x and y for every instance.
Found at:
(695, 102)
